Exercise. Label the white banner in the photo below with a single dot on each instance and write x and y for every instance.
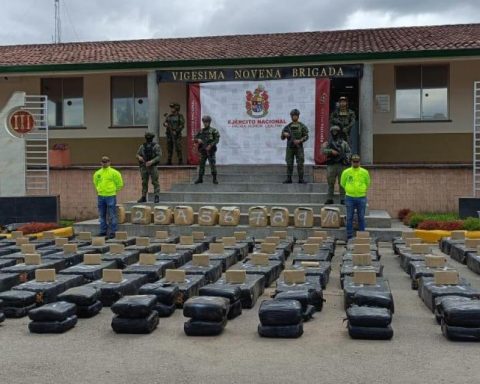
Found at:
(250, 117)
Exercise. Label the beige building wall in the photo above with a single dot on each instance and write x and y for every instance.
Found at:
(417, 142)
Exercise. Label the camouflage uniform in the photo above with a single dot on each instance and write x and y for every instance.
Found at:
(345, 119)
(336, 164)
(209, 136)
(149, 151)
(297, 131)
(174, 122)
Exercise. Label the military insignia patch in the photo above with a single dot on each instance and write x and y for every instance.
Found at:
(257, 103)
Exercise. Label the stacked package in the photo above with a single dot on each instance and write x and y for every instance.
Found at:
(208, 315)
(2, 315)
(459, 317)
(166, 294)
(280, 318)
(232, 293)
(16, 304)
(56, 317)
(371, 323)
(87, 300)
(135, 314)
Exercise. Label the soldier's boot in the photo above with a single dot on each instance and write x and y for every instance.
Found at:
(288, 180)
(301, 180)
(215, 181)
(329, 201)
(142, 199)
(199, 180)
(157, 199)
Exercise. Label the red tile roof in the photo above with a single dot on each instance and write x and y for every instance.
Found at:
(343, 42)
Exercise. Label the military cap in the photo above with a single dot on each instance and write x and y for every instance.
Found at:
(149, 135)
(175, 105)
(355, 157)
(343, 98)
(334, 128)
(206, 118)
(295, 112)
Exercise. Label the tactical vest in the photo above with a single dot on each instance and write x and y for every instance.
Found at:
(148, 151)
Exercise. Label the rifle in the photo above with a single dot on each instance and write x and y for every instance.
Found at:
(167, 125)
(342, 156)
(202, 147)
(290, 139)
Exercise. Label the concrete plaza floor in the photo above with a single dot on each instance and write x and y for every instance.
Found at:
(92, 353)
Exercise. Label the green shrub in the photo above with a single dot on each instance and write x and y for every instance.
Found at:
(471, 224)
(415, 219)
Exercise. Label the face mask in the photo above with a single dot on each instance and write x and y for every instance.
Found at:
(149, 140)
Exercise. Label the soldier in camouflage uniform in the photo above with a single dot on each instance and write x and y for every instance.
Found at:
(207, 140)
(296, 134)
(148, 156)
(344, 118)
(338, 155)
(174, 122)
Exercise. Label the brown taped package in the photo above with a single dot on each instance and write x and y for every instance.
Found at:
(229, 241)
(229, 216)
(258, 216)
(280, 234)
(362, 240)
(236, 276)
(112, 275)
(98, 241)
(16, 234)
(92, 259)
(186, 240)
(268, 248)
(161, 235)
(323, 234)
(279, 217)
(272, 239)
(201, 260)
(365, 277)
(147, 259)
(183, 215)
(61, 241)
(457, 235)
(315, 240)
(361, 248)
(169, 248)
(240, 235)
(175, 275)
(472, 243)
(361, 259)
(142, 241)
(49, 235)
(70, 248)
(141, 214)
(21, 240)
(303, 217)
(45, 275)
(259, 259)
(330, 217)
(421, 249)
(408, 235)
(434, 261)
(117, 248)
(197, 235)
(208, 215)
(121, 235)
(162, 215)
(446, 277)
(33, 259)
(311, 264)
(121, 214)
(27, 248)
(311, 249)
(413, 240)
(85, 236)
(216, 248)
(363, 234)
(296, 276)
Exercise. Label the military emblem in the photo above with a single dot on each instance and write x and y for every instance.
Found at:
(257, 104)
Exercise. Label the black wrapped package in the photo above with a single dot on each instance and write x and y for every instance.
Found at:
(369, 316)
(8, 280)
(305, 298)
(111, 292)
(27, 272)
(164, 310)
(166, 293)
(171, 239)
(370, 333)
(277, 255)
(241, 250)
(69, 258)
(53, 326)
(439, 301)
(251, 289)
(135, 326)
(47, 292)
(280, 312)
(308, 313)
(281, 331)
(456, 333)
(4, 263)
(188, 288)
(123, 259)
(232, 293)
(311, 284)
(58, 311)
(153, 272)
(211, 272)
(378, 291)
(204, 328)
(320, 256)
(126, 242)
(473, 262)
(408, 257)
(461, 313)
(322, 271)
(17, 312)
(83, 295)
(227, 258)
(88, 271)
(271, 272)
(348, 256)
(459, 252)
(372, 298)
(179, 258)
(18, 299)
(2, 317)
(429, 291)
(206, 308)
(235, 310)
(88, 311)
(194, 248)
(134, 307)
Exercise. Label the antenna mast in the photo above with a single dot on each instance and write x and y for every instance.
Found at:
(58, 25)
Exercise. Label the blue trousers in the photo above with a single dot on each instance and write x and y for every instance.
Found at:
(107, 212)
(353, 204)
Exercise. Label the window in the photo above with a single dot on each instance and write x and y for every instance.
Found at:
(421, 92)
(129, 101)
(65, 101)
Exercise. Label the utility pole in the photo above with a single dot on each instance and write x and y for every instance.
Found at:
(58, 25)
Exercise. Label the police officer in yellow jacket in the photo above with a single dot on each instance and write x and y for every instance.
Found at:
(107, 181)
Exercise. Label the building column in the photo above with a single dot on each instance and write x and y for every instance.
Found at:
(153, 107)
(366, 114)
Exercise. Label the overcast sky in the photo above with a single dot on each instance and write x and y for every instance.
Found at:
(32, 21)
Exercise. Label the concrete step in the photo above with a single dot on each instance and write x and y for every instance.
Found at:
(251, 187)
(375, 218)
(253, 178)
(253, 198)
(256, 169)
(384, 234)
